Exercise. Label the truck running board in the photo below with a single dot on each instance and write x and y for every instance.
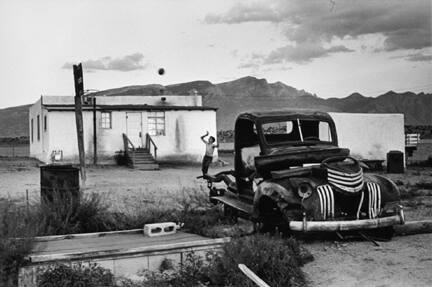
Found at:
(235, 203)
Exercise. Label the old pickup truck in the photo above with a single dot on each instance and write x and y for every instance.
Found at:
(289, 173)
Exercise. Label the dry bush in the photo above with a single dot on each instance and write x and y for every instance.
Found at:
(63, 214)
(424, 185)
(15, 223)
(275, 260)
(78, 274)
(188, 206)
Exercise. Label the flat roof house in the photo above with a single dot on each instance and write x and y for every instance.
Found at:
(171, 123)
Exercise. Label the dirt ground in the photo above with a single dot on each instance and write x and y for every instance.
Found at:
(404, 261)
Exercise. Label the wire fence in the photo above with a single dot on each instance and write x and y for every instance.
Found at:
(14, 150)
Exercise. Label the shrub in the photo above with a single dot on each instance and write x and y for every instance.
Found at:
(190, 206)
(422, 163)
(424, 184)
(275, 260)
(120, 158)
(198, 214)
(90, 275)
(14, 223)
(63, 215)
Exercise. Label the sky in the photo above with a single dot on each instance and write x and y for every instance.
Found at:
(330, 48)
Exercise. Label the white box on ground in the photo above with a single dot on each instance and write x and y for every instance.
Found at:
(159, 229)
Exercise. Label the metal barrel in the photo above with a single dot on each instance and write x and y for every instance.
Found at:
(395, 162)
(60, 182)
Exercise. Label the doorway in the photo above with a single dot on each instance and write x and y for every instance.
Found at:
(134, 128)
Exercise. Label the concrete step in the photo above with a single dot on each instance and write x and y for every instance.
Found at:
(143, 156)
(146, 166)
(144, 161)
(141, 151)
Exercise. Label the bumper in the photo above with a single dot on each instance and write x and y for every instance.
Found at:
(328, 226)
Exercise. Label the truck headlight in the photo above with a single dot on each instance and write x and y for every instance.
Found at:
(304, 190)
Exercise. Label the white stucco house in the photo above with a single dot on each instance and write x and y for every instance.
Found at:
(173, 122)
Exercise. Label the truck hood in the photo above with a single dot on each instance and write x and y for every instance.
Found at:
(278, 158)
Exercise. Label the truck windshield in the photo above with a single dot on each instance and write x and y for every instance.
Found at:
(297, 131)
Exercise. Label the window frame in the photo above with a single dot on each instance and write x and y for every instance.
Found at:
(32, 129)
(300, 142)
(104, 124)
(38, 127)
(159, 118)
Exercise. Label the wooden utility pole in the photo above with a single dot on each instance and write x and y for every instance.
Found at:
(79, 92)
(94, 133)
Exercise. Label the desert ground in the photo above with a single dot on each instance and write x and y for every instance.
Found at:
(404, 261)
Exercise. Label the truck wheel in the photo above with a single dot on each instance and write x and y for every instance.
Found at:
(271, 219)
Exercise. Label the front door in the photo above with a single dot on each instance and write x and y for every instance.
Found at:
(134, 128)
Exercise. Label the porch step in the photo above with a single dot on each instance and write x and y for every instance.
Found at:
(143, 160)
(146, 166)
(143, 156)
(137, 162)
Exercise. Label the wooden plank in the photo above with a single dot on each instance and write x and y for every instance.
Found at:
(86, 235)
(331, 226)
(252, 276)
(414, 227)
(113, 242)
(85, 255)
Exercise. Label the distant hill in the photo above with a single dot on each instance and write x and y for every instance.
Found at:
(250, 93)
(14, 121)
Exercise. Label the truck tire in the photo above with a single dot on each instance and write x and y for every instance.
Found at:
(271, 219)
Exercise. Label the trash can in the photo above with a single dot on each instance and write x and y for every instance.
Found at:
(60, 183)
(395, 162)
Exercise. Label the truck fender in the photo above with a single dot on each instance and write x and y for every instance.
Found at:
(279, 194)
(389, 189)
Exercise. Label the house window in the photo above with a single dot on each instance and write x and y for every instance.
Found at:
(156, 123)
(45, 123)
(31, 127)
(38, 128)
(105, 120)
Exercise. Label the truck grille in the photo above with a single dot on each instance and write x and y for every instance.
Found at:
(349, 182)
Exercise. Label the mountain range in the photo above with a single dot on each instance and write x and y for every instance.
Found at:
(250, 93)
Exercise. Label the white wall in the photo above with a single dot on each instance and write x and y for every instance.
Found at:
(63, 135)
(38, 147)
(180, 143)
(183, 131)
(370, 136)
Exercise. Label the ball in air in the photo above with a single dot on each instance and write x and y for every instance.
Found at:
(161, 71)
